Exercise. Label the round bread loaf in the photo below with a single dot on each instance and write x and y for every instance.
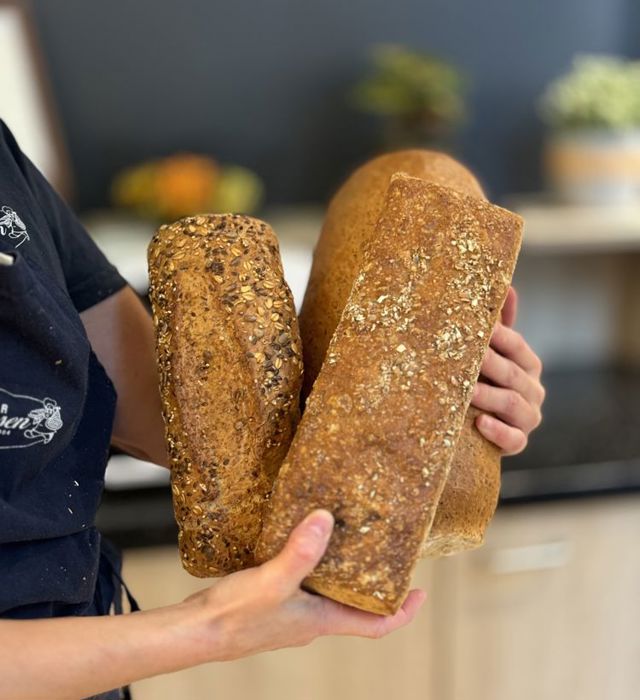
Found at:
(471, 492)
(349, 224)
(229, 357)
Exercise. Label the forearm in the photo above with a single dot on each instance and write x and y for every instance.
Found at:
(74, 657)
(244, 613)
(121, 334)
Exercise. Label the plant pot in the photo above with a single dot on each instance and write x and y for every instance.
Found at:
(594, 166)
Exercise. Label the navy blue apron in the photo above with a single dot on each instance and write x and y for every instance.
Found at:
(56, 415)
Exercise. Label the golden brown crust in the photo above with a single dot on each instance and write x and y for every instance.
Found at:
(381, 424)
(228, 351)
(349, 224)
(471, 493)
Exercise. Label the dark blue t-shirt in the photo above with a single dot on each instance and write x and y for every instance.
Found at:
(56, 402)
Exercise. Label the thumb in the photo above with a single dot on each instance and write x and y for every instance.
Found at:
(303, 550)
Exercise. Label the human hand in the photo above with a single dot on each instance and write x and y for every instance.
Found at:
(264, 608)
(509, 391)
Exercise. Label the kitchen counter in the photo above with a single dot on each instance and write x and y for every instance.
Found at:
(588, 445)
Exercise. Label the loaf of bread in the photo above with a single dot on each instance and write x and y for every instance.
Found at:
(229, 358)
(349, 224)
(382, 422)
(470, 496)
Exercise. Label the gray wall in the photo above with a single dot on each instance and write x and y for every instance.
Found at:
(262, 82)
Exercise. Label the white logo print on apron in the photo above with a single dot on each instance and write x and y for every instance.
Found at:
(12, 226)
(27, 421)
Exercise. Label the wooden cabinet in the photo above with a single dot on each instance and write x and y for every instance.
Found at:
(549, 608)
(399, 666)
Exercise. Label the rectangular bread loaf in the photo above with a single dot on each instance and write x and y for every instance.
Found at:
(380, 428)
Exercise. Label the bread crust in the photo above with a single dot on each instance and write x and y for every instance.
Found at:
(470, 496)
(229, 358)
(349, 224)
(382, 422)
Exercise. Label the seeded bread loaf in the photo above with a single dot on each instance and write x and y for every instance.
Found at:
(470, 496)
(349, 223)
(230, 369)
(381, 424)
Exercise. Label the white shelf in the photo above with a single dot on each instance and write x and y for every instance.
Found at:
(124, 241)
(552, 227)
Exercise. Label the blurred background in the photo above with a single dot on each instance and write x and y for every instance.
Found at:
(266, 84)
(142, 112)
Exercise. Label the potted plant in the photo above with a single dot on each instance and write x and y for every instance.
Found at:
(593, 149)
(419, 97)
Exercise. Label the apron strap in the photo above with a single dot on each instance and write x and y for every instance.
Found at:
(113, 557)
(133, 603)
